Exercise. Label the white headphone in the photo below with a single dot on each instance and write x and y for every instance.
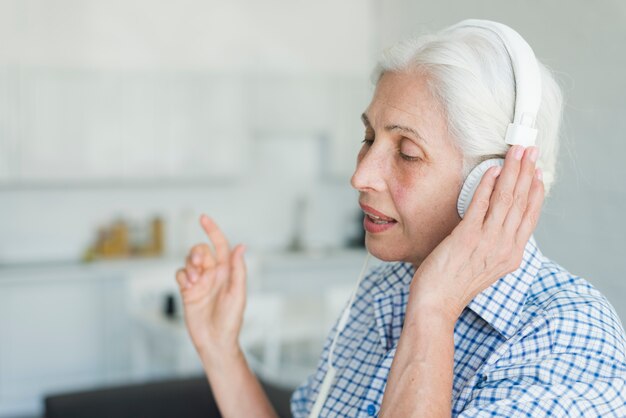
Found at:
(520, 131)
(527, 99)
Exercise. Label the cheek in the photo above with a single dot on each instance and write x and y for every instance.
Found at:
(407, 195)
(419, 201)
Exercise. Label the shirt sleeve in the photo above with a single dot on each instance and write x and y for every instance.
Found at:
(603, 397)
(300, 399)
(573, 365)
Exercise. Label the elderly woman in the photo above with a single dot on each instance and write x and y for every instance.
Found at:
(467, 317)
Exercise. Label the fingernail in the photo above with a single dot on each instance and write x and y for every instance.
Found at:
(193, 275)
(539, 174)
(518, 152)
(196, 258)
(496, 171)
(534, 153)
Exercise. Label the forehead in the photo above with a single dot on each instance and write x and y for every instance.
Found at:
(404, 99)
(402, 95)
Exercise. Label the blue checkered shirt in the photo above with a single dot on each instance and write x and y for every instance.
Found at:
(539, 342)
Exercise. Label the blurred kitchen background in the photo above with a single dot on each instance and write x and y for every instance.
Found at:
(122, 121)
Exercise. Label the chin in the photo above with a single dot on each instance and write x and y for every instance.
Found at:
(385, 251)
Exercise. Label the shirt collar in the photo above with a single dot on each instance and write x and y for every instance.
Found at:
(501, 304)
(395, 278)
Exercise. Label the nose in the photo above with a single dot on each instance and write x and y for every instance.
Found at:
(369, 172)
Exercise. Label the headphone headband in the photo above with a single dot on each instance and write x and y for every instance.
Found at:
(527, 81)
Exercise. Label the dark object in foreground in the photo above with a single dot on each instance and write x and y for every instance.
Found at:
(188, 398)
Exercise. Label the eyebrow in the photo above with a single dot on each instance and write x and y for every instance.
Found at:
(400, 128)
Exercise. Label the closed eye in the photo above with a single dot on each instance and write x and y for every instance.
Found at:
(407, 150)
(368, 142)
(408, 157)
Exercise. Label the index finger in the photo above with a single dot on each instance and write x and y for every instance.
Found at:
(502, 196)
(220, 243)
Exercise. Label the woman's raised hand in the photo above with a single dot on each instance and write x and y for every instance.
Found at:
(213, 289)
(490, 240)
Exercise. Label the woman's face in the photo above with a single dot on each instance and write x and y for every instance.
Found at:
(408, 171)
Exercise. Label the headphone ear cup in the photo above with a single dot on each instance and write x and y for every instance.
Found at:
(472, 181)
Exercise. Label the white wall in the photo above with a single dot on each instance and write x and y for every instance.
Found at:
(274, 35)
(582, 225)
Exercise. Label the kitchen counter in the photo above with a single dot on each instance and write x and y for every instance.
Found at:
(120, 267)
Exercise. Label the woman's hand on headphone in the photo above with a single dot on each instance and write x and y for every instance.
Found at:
(489, 241)
(213, 288)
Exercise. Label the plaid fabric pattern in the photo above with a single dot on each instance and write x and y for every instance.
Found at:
(539, 342)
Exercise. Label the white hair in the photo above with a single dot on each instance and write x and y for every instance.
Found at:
(471, 75)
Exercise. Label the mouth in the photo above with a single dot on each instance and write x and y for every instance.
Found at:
(375, 216)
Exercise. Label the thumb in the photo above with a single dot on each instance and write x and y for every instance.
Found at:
(239, 271)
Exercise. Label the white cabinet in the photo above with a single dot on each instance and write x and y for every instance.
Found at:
(59, 333)
(70, 125)
(206, 130)
(53, 111)
(71, 328)
(8, 125)
(104, 96)
(328, 108)
(88, 125)
(351, 97)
